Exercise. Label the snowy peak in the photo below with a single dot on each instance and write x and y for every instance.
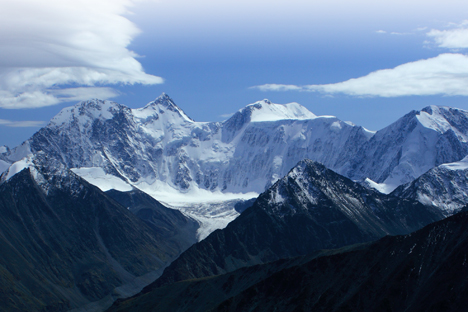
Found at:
(445, 187)
(264, 111)
(442, 119)
(161, 105)
(267, 111)
(87, 111)
(310, 183)
(412, 145)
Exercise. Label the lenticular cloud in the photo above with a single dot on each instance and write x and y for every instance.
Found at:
(55, 44)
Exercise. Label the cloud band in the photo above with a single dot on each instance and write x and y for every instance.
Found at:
(446, 74)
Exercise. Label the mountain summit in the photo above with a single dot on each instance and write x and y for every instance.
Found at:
(162, 104)
(412, 145)
(267, 111)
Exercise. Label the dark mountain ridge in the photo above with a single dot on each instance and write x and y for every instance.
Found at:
(311, 208)
(422, 271)
(66, 244)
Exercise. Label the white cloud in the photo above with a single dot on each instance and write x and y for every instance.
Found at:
(446, 74)
(226, 115)
(21, 124)
(278, 87)
(452, 38)
(79, 43)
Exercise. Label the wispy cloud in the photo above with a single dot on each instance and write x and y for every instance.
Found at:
(21, 124)
(278, 87)
(399, 33)
(446, 74)
(226, 115)
(79, 45)
(456, 38)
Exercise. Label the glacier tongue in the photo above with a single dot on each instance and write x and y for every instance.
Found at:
(212, 210)
(102, 180)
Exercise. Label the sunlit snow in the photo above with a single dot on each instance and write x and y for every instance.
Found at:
(99, 178)
(381, 187)
(266, 111)
(459, 165)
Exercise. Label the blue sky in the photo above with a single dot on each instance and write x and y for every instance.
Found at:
(369, 62)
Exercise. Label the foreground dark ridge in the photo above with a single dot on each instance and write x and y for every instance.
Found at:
(422, 271)
(311, 208)
(65, 244)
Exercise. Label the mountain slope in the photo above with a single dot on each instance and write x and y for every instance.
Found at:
(422, 271)
(445, 186)
(311, 208)
(66, 244)
(171, 225)
(192, 166)
(412, 145)
(163, 152)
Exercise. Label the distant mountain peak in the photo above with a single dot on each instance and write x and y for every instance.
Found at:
(165, 102)
(266, 111)
(443, 118)
(88, 110)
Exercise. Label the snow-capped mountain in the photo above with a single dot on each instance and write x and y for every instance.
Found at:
(160, 143)
(411, 146)
(445, 186)
(162, 151)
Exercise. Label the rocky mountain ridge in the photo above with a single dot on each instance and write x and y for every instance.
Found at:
(65, 244)
(311, 208)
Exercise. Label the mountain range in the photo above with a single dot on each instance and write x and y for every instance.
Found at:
(162, 151)
(159, 143)
(104, 197)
